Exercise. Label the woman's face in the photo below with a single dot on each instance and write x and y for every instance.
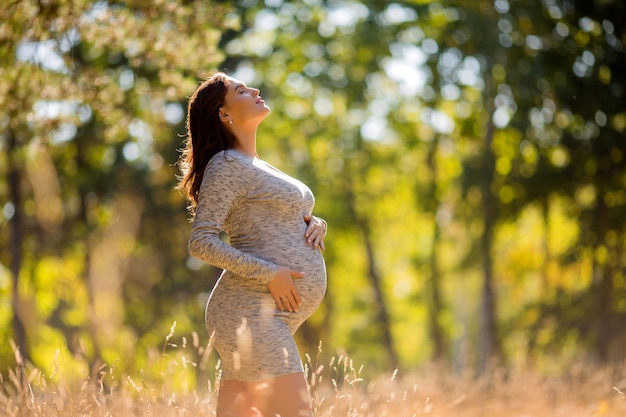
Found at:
(242, 104)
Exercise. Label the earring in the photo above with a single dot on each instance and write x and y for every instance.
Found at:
(230, 122)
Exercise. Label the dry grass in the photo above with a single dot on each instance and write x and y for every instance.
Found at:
(337, 387)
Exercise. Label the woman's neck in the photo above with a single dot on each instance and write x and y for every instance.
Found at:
(246, 142)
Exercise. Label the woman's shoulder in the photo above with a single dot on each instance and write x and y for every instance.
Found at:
(229, 157)
(230, 163)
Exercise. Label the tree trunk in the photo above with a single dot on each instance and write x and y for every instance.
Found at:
(545, 273)
(488, 335)
(375, 280)
(602, 283)
(374, 277)
(83, 217)
(435, 304)
(16, 230)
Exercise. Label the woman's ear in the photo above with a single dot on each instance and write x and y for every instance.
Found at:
(224, 117)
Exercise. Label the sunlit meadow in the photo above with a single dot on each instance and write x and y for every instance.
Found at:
(182, 382)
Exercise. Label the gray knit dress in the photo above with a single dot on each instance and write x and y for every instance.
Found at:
(261, 210)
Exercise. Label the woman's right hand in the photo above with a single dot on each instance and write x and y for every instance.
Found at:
(284, 290)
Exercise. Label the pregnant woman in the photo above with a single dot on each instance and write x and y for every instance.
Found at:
(274, 275)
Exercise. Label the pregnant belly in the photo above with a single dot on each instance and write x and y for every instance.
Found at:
(297, 255)
(286, 248)
(293, 252)
(234, 297)
(312, 286)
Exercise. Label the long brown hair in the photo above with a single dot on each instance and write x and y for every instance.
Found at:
(206, 135)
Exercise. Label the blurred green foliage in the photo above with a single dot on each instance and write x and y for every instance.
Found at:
(468, 156)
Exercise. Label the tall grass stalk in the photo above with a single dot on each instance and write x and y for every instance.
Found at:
(184, 385)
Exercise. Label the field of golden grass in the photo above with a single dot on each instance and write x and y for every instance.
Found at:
(338, 390)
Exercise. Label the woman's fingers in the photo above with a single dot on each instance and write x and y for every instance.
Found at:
(284, 290)
(316, 239)
(310, 226)
(289, 303)
(315, 232)
(296, 296)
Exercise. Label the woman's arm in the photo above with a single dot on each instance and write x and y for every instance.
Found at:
(223, 186)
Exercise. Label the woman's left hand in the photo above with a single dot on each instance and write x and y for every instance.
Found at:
(315, 232)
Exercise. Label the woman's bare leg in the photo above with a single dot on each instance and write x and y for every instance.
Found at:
(284, 396)
(234, 400)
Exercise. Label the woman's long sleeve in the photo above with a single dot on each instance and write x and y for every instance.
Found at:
(222, 188)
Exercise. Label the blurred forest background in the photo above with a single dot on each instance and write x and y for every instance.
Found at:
(469, 157)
